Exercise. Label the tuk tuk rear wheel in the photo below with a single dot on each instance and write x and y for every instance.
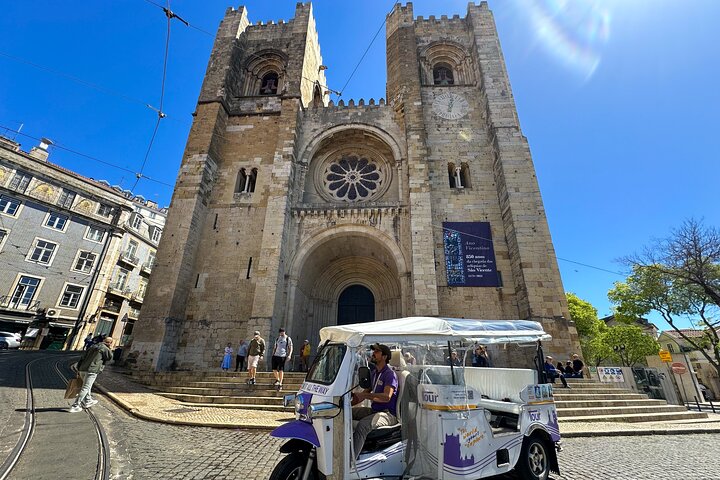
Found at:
(291, 468)
(534, 461)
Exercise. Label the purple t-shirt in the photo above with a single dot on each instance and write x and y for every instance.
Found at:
(380, 380)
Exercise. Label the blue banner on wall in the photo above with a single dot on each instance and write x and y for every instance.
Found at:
(469, 255)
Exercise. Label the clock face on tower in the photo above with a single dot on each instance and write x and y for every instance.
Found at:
(450, 106)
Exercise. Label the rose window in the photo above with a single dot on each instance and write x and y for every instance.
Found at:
(353, 179)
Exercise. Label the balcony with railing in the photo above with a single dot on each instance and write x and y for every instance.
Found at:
(8, 303)
(112, 307)
(137, 296)
(129, 258)
(146, 268)
(119, 289)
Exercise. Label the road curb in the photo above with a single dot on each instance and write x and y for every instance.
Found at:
(637, 433)
(145, 416)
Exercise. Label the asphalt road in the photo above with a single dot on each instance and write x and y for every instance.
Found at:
(146, 450)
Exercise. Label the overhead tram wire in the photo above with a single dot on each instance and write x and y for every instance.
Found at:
(89, 157)
(160, 114)
(367, 49)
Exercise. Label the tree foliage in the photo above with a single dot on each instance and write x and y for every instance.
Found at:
(629, 344)
(678, 277)
(590, 329)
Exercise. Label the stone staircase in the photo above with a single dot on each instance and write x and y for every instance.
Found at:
(592, 401)
(585, 401)
(227, 390)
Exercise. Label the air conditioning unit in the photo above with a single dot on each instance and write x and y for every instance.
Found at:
(52, 312)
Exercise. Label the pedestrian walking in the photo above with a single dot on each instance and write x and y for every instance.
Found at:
(88, 341)
(305, 356)
(256, 351)
(91, 363)
(240, 356)
(227, 358)
(282, 352)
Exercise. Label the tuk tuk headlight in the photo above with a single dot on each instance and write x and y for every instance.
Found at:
(323, 410)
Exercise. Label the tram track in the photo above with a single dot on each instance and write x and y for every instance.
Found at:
(102, 470)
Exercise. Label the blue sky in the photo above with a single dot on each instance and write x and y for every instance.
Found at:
(618, 99)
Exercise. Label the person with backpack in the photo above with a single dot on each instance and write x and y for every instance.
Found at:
(256, 351)
(282, 352)
(91, 363)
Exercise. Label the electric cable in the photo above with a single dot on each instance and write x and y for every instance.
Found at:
(89, 157)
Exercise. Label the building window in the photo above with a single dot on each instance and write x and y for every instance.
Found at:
(142, 288)
(67, 197)
(3, 236)
(71, 296)
(136, 222)
(56, 221)
(104, 210)
(246, 181)
(24, 292)
(20, 181)
(153, 215)
(8, 205)
(85, 261)
(269, 85)
(155, 235)
(121, 278)
(459, 176)
(95, 234)
(42, 252)
(131, 248)
(671, 348)
(151, 259)
(443, 75)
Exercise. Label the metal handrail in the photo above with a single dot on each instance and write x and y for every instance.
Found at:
(6, 302)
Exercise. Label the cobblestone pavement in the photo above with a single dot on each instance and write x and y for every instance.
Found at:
(148, 450)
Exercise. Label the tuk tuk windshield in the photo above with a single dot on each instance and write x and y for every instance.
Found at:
(327, 365)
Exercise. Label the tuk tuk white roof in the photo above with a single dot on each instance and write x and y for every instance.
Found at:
(424, 329)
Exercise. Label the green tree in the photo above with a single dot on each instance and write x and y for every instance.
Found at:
(629, 344)
(590, 329)
(678, 277)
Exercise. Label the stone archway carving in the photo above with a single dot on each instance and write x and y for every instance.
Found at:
(336, 258)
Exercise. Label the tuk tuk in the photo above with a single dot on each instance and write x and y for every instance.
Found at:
(454, 421)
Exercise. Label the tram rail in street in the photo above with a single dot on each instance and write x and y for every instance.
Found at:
(102, 471)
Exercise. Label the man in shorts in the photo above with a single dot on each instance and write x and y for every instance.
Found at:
(256, 351)
(282, 352)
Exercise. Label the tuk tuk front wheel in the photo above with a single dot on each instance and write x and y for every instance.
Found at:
(534, 461)
(291, 468)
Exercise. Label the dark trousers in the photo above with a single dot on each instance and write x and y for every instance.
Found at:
(552, 378)
(239, 362)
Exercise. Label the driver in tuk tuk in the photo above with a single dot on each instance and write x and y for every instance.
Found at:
(382, 395)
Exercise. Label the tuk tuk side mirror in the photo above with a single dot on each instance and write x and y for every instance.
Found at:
(364, 377)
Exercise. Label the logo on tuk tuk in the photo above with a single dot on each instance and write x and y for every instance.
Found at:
(430, 397)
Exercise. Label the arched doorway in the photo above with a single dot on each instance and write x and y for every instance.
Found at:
(356, 305)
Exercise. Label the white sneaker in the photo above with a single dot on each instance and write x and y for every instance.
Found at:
(75, 409)
(90, 403)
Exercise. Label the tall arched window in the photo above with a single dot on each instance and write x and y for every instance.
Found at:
(443, 74)
(459, 176)
(246, 181)
(317, 96)
(269, 84)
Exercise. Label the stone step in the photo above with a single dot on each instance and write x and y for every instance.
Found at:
(569, 396)
(611, 411)
(243, 406)
(642, 402)
(245, 390)
(259, 381)
(224, 399)
(637, 417)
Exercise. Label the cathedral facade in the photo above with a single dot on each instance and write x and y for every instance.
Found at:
(292, 211)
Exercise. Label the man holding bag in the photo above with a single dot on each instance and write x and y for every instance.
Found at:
(89, 366)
